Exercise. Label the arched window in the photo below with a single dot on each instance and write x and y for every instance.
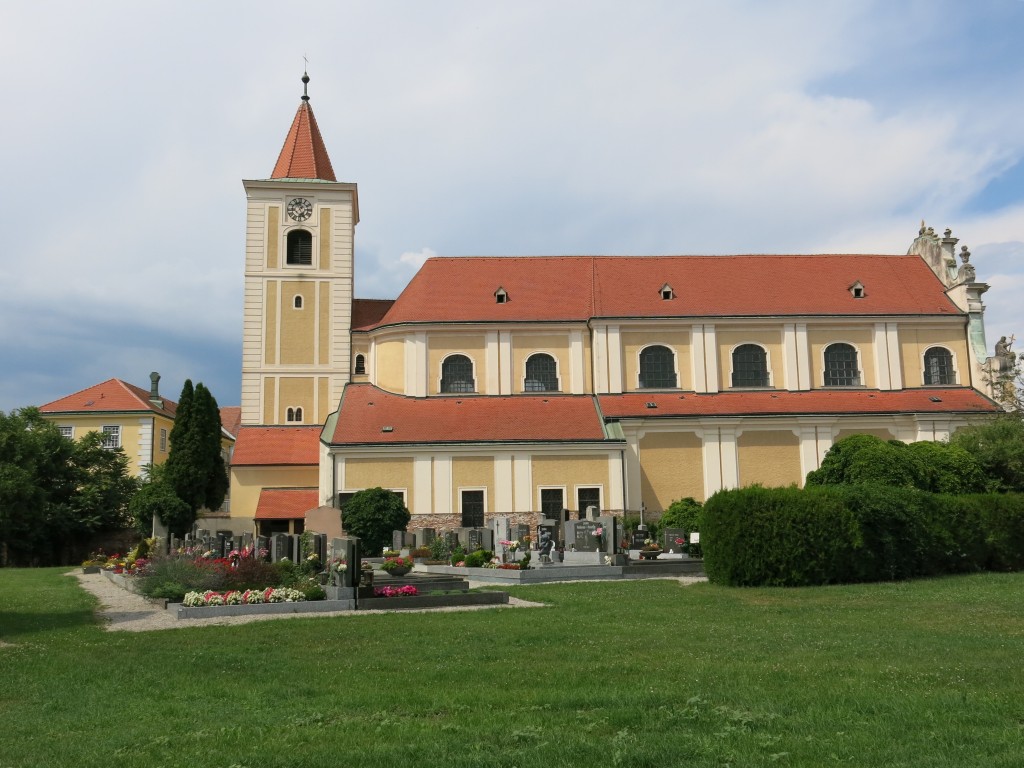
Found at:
(938, 366)
(457, 374)
(360, 363)
(297, 302)
(300, 247)
(657, 368)
(749, 366)
(841, 366)
(541, 373)
(293, 414)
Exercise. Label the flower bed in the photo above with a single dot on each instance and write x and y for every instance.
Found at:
(407, 591)
(248, 597)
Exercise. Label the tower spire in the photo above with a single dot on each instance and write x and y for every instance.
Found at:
(304, 155)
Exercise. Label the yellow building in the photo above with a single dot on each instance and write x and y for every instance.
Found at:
(129, 417)
(138, 421)
(527, 385)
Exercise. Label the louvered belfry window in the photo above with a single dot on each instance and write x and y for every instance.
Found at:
(300, 248)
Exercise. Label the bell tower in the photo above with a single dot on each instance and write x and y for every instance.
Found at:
(299, 252)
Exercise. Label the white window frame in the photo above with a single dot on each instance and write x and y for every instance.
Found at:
(860, 366)
(952, 363)
(767, 362)
(675, 367)
(67, 431)
(294, 414)
(298, 302)
(108, 430)
(558, 372)
(472, 488)
(600, 495)
(562, 488)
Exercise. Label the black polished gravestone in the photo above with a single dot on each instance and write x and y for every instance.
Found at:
(583, 537)
(673, 540)
(637, 539)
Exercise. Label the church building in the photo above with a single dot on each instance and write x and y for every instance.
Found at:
(526, 385)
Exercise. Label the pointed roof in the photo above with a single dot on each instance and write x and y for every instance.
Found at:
(111, 396)
(304, 155)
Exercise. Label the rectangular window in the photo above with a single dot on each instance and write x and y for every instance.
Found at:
(163, 440)
(587, 497)
(552, 502)
(112, 437)
(68, 432)
(472, 503)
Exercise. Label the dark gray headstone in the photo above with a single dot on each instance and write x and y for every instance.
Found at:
(519, 531)
(262, 543)
(280, 547)
(669, 536)
(583, 535)
(400, 540)
(475, 539)
(451, 538)
(320, 547)
(424, 536)
(637, 539)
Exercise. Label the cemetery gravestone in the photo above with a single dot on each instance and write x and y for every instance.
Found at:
(280, 547)
(669, 537)
(424, 536)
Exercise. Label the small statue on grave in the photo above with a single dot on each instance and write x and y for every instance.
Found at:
(546, 547)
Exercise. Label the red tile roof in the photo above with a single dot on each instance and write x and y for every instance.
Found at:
(304, 155)
(111, 396)
(231, 419)
(286, 503)
(367, 313)
(819, 401)
(577, 288)
(366, 411)
(277, 446)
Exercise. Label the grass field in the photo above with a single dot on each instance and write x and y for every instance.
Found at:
(641, 673)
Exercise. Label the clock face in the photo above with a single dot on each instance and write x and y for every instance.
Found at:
(300, 209)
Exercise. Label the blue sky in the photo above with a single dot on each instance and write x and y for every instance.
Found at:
(499, 128)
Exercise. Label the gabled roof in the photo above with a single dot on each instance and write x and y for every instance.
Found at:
(277, 446)
(304, 155)
(286, 503)
(367, 313)
(231, 419)
(579, 288)
(813, 402)
(371, 416)
(111, 396)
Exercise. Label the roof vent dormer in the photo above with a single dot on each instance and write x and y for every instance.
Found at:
(857, 290)
(667, 294)
(501, 295)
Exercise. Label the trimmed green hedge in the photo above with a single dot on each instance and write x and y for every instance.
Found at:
(839, 534)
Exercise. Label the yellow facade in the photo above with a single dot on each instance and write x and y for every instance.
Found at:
(862, 340)
(634, 341)
(769, 458)
(524, 345)
(248, 482)
(392, 473)
(915, 341)
(273, 236)
(474, 472)
(390, 369)
(672, 467)
(145, 438)
(768, 338)
(474, 347)
(325, 239)
(298, 323)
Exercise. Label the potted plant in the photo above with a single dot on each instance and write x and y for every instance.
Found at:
(397, 566)
(650, 550)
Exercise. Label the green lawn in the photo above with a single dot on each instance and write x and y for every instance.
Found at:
(639, 673)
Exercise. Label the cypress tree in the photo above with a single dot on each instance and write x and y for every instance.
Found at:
(195, 468)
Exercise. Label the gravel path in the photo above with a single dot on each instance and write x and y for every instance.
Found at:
(124, 611)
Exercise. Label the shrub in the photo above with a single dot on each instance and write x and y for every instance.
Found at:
(478, 558)
(458, 555)
(439, 549)
(372, 515)
(869, 532)
(998, 447)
